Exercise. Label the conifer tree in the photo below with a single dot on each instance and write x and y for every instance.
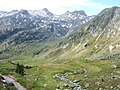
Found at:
(20, 69)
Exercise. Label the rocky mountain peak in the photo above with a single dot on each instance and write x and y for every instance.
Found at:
(45, 10)
(76, 13)
(80, 12)
(109, 11)
(68, 12)
(14, 11)
(24, 12)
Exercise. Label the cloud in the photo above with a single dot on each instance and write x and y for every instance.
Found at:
(55, 6)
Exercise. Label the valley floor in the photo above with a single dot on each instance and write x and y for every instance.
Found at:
(89, 75)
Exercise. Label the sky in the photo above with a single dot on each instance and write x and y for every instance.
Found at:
(91, 7)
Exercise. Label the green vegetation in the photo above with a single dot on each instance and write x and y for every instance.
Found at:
(20, 69)
(6, 87)
(50, 58)
(101, 74)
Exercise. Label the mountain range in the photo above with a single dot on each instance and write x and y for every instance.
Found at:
(40, 24)
(72, 50)
(17, 27)
(99, 32)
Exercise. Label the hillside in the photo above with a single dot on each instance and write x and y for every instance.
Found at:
(72, 51)
(97, 39)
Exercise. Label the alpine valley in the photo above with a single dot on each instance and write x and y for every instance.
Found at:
(73, 51)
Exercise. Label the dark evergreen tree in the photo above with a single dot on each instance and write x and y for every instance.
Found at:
(20, 69)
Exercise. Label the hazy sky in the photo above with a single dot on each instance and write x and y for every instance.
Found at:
(59, 6)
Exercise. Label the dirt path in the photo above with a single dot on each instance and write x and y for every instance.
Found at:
(10, 79)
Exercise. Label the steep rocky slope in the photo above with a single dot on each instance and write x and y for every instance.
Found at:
(97, 39)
